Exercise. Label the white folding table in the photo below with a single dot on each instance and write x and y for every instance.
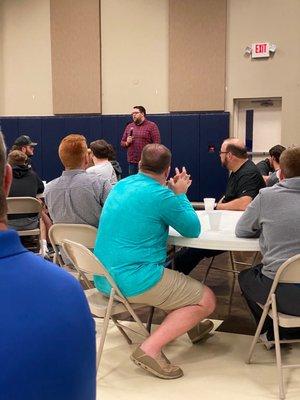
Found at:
(222, 239)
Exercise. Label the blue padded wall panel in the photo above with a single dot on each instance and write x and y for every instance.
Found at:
(164, 125)
(109, 129)
(10, 130)
(53, 131)
(121, 122)
(185, 145)
(80, 125)
(214, 128)
(33, 128)
(112, 130)
(95, 129)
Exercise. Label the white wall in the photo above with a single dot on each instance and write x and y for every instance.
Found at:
(274, 21)
(1, 58)
(134, 55)
(26, 58)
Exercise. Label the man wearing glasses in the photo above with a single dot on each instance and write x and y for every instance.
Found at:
(244, 183)
(137, 135)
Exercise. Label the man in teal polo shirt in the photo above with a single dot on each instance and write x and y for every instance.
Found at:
(131, 243)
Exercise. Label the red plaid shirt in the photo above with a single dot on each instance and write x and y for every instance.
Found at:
(145, 133)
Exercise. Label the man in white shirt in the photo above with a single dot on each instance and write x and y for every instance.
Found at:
(100, 152)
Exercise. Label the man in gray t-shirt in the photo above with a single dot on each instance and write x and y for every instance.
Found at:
(274, 217)
(76, 197)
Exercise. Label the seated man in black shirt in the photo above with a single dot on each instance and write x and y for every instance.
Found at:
(25, 183)
(244, 183)
(269, 166)
(265, 168)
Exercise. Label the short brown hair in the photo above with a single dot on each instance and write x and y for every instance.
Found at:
(155, 158)
(17, 157)
(3, 208)
(290, 162)
(100, 149)
(141, 109)
(276, 151)
(72, 150)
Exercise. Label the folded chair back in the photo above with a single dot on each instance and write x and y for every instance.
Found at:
(86, 263)
(26, 205)
(23, 205)
(289, 272)
(79, 233)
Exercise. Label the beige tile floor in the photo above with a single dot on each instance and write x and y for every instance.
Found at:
(214, 369)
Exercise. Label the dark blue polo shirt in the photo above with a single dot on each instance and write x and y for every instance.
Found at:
(47, 337)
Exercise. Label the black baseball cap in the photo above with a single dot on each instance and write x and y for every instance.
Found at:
(24, 140)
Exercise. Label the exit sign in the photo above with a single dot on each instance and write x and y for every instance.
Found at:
(260, 50)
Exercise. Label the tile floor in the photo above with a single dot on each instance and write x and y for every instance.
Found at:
(214, 369)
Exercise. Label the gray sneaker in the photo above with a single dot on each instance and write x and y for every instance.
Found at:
(159, 366)
(200, 331)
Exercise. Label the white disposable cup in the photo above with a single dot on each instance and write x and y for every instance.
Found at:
(214, 220)
(209, 203)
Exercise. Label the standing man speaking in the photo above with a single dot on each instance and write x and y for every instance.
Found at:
(137, 135)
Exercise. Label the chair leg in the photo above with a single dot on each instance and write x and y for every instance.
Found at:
(114, 319)
(258, 331)
(208, 269)
(149, 320)
(234, 273)
(136, 318)
(277, 348)
(104, 328)
(231, 294)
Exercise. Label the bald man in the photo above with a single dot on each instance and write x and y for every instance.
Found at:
(243, 186)
(244, 181)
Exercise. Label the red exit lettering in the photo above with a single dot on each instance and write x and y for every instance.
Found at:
(261, 48)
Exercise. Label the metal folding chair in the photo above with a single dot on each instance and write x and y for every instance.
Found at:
(101, 306)
(26, 205)
(79, 233)
(289, 272)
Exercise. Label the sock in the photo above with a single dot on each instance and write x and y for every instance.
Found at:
(44, 247)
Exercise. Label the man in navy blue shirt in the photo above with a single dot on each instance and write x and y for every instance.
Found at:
(47, 341)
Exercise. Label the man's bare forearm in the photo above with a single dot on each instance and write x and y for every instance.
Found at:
(239, 204)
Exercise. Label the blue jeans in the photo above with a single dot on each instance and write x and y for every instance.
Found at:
(133, 168)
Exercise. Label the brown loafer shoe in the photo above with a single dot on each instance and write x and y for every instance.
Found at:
(200, 331)
(159, 366)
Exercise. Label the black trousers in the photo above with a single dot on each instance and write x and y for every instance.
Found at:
(255, 287)
(187, 259)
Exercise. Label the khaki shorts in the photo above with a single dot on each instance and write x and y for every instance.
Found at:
(174, 290)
